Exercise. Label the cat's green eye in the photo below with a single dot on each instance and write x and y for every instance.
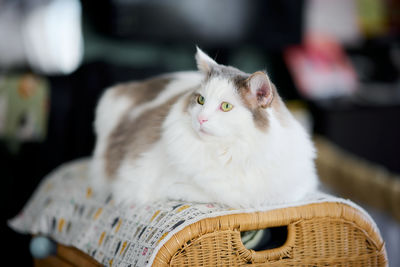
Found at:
(200, 100)
(225, 106)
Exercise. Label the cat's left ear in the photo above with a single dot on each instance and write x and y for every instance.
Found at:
(260, 89)
(204, 62)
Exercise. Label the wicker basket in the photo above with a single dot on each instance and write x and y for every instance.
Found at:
(322, 234)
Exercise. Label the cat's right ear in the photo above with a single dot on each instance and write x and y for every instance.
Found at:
(204, 62)
(260, 90)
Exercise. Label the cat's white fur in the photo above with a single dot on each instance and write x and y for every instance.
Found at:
(226, 160)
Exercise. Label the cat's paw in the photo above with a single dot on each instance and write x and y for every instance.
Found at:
(123, 194)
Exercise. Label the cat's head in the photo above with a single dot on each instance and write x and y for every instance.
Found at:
(229, 102)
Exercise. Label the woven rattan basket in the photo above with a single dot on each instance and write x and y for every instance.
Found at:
(321, 234)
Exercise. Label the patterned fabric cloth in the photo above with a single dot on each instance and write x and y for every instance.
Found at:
(65, 208)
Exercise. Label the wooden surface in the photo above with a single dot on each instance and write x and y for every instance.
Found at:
(52, 261)
(67, 257)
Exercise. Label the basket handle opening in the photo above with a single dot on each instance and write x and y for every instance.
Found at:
(264, 239)
(270, 243)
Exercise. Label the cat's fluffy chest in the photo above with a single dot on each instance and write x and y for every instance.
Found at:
(231, 161)
(208, 157)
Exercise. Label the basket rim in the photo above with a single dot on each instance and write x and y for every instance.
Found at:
(259, 220)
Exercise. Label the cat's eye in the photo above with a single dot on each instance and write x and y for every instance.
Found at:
(225, 106)
(201, 100)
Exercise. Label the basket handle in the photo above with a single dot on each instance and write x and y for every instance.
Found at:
(284, 251)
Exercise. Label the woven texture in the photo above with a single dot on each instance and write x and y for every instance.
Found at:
(325, 234)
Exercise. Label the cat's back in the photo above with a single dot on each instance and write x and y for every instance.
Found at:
(129, 116)
(137, 96)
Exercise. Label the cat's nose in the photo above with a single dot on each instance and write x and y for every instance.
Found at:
(202, 120)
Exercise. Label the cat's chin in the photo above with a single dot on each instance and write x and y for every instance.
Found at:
(202, 133)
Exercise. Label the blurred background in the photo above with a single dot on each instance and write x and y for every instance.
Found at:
(336, 63)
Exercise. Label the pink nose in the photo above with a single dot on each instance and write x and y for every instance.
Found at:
(201, 120)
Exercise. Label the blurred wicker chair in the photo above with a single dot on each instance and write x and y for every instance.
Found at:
(353, 177)
(321, 234)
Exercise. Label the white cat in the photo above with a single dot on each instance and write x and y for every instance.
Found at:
(217, 135)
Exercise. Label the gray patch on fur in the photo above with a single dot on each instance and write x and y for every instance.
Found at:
(132, 137)
(227, 72)
(143, 91)
(240, 81)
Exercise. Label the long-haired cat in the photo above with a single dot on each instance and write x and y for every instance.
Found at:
(217, 135)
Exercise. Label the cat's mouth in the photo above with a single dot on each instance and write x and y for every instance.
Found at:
(203, 131)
